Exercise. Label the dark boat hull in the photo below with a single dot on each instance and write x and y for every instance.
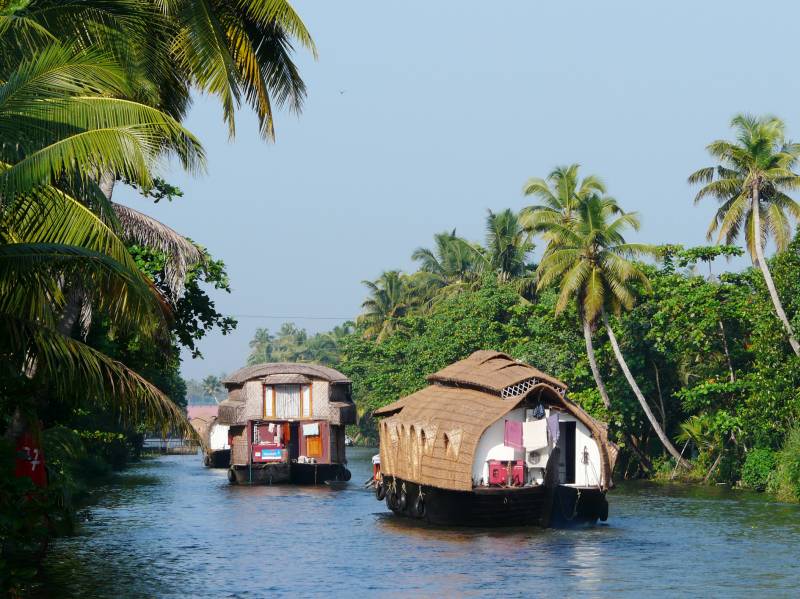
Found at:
(298, 474)
(220, 458)
(497, 506)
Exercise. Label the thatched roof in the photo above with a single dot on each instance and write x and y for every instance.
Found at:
(493, 371)
(272, 368)
(231, 408)
(430, 437)
(286, 379)
(202, 427)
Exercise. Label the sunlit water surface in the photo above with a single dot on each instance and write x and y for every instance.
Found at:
(172, 528)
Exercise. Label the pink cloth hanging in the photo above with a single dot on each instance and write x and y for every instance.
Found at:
(513, 434)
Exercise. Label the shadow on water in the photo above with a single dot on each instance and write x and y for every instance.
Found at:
(171, 528)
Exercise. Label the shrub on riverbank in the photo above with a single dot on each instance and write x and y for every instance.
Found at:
(758, 468)
(785, 483)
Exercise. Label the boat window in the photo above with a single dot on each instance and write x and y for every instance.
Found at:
(287, 401)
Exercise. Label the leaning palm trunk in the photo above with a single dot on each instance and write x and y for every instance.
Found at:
(601, 387)
(762, 264)
(640, 396)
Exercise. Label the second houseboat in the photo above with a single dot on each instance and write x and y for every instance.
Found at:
(287, 423)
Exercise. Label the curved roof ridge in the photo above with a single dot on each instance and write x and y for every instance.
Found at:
(493, 371)
(269, 368)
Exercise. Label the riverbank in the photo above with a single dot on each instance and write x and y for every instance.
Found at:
(168, 526)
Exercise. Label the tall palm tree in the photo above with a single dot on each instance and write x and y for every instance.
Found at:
(237, 51)
(560, 195)
(450, 267)
(390, 298)
(212, 386)
(508, 245)
(751, 181)
(260, 347)
(48, 238)
(589, 259)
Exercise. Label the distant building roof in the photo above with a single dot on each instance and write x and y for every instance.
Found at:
(258, 371)
(204, 412)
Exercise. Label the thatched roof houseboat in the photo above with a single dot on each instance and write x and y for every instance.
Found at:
(287, 423)
(213, 435)
(493, 441)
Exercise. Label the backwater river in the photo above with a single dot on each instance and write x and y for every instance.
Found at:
(169, 527)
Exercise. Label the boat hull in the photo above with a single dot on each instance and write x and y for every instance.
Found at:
(298, 474)
(497, 506)
(220, 458)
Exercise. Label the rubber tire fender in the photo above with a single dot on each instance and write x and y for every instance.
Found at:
(231, 476)
(347, 475)
(419, 507)
(402, 502)
(380, 491)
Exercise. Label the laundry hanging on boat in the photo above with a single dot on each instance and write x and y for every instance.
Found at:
(309, 430)
(552, 428)
(534, 434)
(513, 434)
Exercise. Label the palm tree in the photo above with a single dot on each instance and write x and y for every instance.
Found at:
(390, 297)
(50, 240)
(560, 193)
(589, 259)
(751, 182)
(452, 260)
(212, 385)
(238, 51)
(260, 347)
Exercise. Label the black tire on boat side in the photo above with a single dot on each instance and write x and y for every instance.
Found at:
(402, 503)
(231, 476)
(419, 507)
(380, 491)
(391, 499)
(347, 475)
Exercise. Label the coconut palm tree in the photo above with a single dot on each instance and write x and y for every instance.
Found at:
(751, 181)
(237, 51)
(390, 297)
(51, 241)
(212, 386)
(260, 347)
(560, 194)
(589, 259)
(451, 261)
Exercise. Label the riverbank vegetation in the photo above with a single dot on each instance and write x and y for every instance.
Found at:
(96, 298)
(695, 371)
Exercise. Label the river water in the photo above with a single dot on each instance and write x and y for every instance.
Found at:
(171, 528)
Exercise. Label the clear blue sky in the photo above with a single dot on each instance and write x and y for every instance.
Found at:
(421, 115)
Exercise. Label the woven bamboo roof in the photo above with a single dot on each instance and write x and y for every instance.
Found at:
(286, 379)
(430, 436)
(272, 368)
(491, 370)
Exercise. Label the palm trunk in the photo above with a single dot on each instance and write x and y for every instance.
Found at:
(762, 264)
(587, 335)
(639, 396)
(727, 353)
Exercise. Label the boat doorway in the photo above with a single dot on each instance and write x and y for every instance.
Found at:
(294, 441)
(566, 460)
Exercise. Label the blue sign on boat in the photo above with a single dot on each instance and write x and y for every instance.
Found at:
(272, 455)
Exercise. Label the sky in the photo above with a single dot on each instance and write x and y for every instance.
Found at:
(421, 116)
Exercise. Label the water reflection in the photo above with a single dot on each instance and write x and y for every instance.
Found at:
(173, 528)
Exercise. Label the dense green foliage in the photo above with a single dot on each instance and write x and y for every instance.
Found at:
(704, 351)
(96, 298)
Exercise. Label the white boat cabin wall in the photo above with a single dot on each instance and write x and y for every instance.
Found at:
(579, 455)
